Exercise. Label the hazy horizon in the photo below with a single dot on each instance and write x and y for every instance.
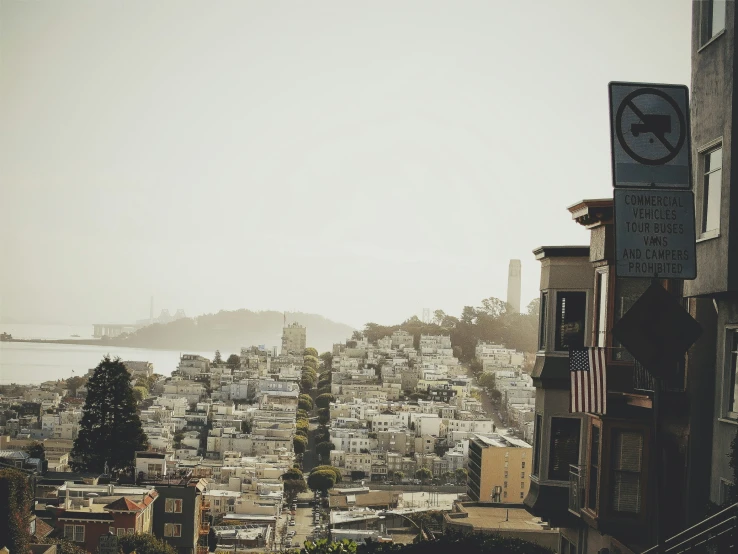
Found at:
(357, 161)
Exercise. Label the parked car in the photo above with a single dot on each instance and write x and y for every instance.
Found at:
(292, 522)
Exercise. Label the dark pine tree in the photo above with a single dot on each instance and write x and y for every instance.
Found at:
(110, 430)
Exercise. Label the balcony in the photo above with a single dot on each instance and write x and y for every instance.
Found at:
(716, 534)
(577, 480)
(202, 550)
(204, 528)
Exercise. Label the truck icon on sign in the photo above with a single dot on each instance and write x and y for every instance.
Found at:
(657, 124)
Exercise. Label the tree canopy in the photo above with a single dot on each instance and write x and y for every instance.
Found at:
(15, 507)
(110, 430)
(299, 443)
(321, 480)
(310, 351)
(144, 543)
(323, 449)
(491, 321)
(423, 474)
(36, 450)
(324, 400)
(233, 361)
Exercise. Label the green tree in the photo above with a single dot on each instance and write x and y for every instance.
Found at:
(487, 380)
(15, 511)
(293, 487)
(324, 546)
(312, 362)
(327, 359)
(310, 351)
(322, 480)
(304, 402)
(301, 414)
(299, 443)
(324, 400)
(323, 449)
(110, 430)
(424, 474)
(306, 383)
(177, 439)
(74, 383)
(64, 546)
(292, 473)
(36, 450)
(461, 476)
(398, 476)
(335, 470)
(246, 426)
(324, 416)
(140, 393)
(322, 434)
(217, 359)
(302, 432)
(234, 361)
(143, 543)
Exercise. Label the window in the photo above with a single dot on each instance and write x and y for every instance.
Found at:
(567, 547)
(75, 533)
(627, 458)
(130, 530)
(521, 495)
(732, 339)
(713, 18)
(505, 484)
(121, 531)
(172, 530)
(542, 321)
(506, 474)
(594, 469)
(712, 181)
(112, 530)
(537, 444)
(523, 464)
(564, 447)
(173, 505)
(570, 313)
(601, 332)
(627, 292)
(522, 475)
(504, 494)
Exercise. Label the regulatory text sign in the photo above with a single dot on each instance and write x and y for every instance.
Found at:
(654, 234)
(649, 127)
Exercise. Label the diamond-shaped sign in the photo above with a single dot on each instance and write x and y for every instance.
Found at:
(657, 331)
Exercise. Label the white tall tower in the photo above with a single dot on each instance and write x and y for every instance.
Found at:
(513, 286)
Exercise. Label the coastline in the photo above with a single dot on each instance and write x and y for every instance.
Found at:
(84, 342)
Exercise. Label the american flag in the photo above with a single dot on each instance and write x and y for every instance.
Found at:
(588, 373)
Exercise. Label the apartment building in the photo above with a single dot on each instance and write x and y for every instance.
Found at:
(499, 469)
(294, 339)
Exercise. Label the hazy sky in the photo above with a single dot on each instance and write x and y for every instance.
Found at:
(362, 160)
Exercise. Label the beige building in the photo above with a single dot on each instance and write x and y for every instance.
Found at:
(294, 339)
(499, 469)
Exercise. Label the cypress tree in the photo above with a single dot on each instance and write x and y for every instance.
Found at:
(110, 429)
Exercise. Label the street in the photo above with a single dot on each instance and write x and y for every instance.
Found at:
(302, 528)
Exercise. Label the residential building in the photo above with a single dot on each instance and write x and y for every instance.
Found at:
(499, 469)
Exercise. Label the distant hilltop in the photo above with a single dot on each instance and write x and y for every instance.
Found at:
(230, 330)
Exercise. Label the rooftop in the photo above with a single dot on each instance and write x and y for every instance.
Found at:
(487, 516)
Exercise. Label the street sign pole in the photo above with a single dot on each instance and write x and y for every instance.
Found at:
(657, 384)
(654, 235)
